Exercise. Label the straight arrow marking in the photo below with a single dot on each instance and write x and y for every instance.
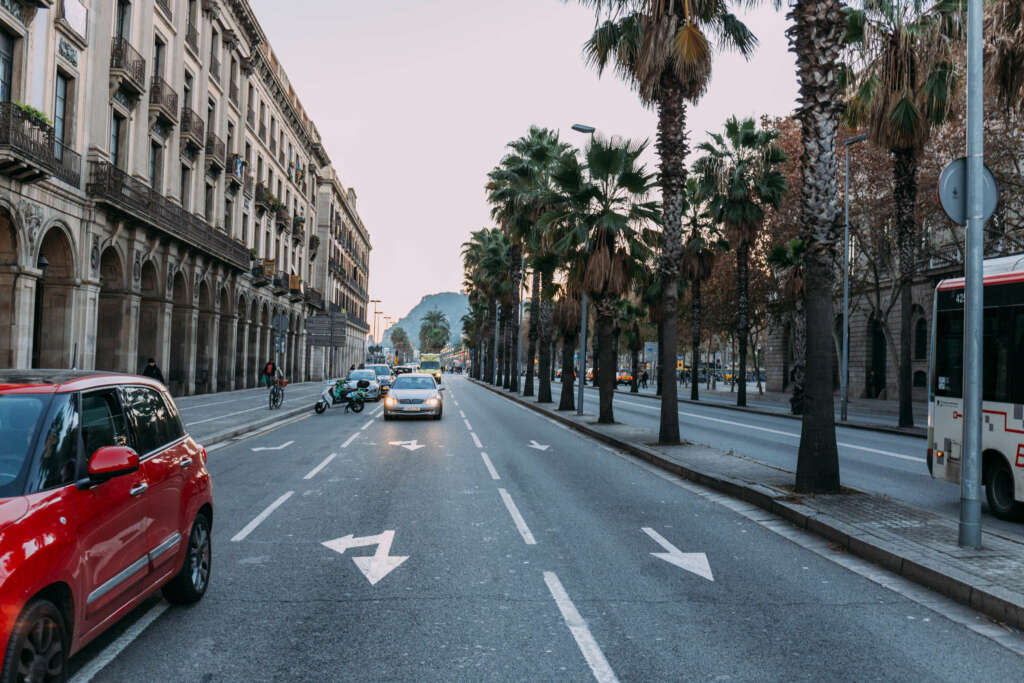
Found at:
(538, 446)
(695, 563)
(273, 448)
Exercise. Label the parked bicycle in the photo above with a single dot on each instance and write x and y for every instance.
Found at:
(277, 392)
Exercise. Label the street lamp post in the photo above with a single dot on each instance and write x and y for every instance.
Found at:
(586, 130)
(844, 377)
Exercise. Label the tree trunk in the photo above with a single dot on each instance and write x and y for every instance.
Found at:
(491, 330)
(816, 38)
(544, 365)
(596, 341)
(661, 341)
(672, 150)
(634, 387)
(905, 196)
(799, 370)
(695, 339)
(531, 347)
(510, 322)
(567, 401)
(502, 357)
(606, 362)
(743, 306)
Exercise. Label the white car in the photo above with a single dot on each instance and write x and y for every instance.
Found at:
(414, 394)
(372, 388)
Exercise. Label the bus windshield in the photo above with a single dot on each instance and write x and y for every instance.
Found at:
(430, 365)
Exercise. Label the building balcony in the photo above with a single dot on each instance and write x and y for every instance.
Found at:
(281, 218)
(273, 146)
(233, 93)
(315, 299)
(125, 195)
(215, 69)
(163, 101)
(261, 276)
(236, 171)
(26, 145)
(263, 199)
(295, 289)
(67, 165)
(263, 131)
(298, 228)
(127, 67)
(165, 5)
(279, 285)
(216, 152)
(250, 119)
(192, 37)
(192, 130)
(247, 188)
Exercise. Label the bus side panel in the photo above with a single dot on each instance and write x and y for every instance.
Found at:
(948, 430)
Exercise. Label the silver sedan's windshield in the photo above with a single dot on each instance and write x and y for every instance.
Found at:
(362, 374)
(414, 383)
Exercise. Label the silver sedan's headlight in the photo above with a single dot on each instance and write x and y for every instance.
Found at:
(433, 402)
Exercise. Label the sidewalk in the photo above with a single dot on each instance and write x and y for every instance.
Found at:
(864, 413)
(210, 418)
(914, 543)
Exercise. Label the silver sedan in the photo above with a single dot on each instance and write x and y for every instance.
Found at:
(414, 394)
(372, 388)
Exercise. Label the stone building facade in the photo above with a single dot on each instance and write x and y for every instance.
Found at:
(164, 207)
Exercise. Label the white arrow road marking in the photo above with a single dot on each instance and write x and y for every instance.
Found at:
(248, 528)
(407, 445)
(580, 631)
(538, 446)
(272, 448)
(378, 565)
(696, 563)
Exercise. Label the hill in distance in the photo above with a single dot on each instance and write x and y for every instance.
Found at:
(453, 304)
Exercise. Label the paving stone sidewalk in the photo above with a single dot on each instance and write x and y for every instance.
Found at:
(917, 544)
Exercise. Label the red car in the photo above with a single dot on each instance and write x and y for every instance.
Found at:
(104, 498)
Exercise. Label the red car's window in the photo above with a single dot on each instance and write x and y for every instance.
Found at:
(103, 422)
(59, 445)
(152, 423)
(20, 415)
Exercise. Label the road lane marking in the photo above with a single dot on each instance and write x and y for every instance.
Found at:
(370, 422)
(283, 446)
(350, 440)
(490, 466)
(476, 440)
(462, 415)
(524, 530)
(580, 631)
(251, 526)
(468, 426)
(316, 470)
(779, 432)
(110, 652)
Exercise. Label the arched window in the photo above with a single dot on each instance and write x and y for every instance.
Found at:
(920, 378)
(920, 339)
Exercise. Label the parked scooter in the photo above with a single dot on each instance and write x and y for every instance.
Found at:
(337, 395)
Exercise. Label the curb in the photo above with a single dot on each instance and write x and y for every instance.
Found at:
(866, 426)
(220, 437)
(999, 603)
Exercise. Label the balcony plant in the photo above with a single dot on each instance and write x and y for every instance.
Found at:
(314, 244)
(33, 114)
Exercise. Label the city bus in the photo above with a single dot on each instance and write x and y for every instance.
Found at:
(1002, 430)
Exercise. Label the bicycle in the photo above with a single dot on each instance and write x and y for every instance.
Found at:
(277, 393)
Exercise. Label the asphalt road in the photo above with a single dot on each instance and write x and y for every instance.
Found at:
(532, 562)
(876, 462)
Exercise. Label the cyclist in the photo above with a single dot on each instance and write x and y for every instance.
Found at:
(270, 372)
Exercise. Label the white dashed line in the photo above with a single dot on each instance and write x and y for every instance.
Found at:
(462, 415)
(476, 440)
(490, 467)
(468, 426)
(316, 470)
(580, 631)
(524, 530)
(251, 526)
(350, 440)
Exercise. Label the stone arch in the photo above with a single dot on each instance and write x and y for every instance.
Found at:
(920, 338)
(205, 338)
(9, 259)
(52, 330)
(253, 361)
(181, 334)
(111, 313)
(225, 340)
(241, 319)
(151, 327)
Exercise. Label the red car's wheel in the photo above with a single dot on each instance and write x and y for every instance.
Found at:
(38, 648)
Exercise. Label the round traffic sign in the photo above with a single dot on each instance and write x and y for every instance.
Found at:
(953, 191)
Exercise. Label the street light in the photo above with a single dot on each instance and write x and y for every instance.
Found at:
(586, 130)
(375, 312)
(844, 376)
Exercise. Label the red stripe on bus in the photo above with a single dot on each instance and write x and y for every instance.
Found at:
(1000, 279)
(1005, 418)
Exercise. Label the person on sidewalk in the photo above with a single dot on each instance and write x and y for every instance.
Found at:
(643, 379)
(153, 370)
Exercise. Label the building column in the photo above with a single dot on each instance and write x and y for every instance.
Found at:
(163, 333)
(129, 352)
(239, 379)
(214, 359)
(22, 317)
(85, 299)
(233, 358)
(190, 351)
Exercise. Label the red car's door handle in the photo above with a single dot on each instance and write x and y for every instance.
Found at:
(139, 489)
(185, 463)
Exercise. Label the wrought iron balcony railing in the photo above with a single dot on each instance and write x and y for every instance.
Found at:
(314, 298)
(192, 129)
(215, 69)
(248, 187)
(165, 5)
(163, 101)
(216, 150)
(233, 93)
(250, 118)
(26, 145)
(128, 66)
(67, 164)
(263, 197)
(192, 37)
(281, 218)
(263, 131)
(113, 187)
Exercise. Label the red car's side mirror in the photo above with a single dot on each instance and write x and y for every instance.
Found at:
(112, 461)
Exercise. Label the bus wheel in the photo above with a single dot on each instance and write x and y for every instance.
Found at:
(999, 491)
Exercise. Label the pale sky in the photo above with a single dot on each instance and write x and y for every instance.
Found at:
(415, 100)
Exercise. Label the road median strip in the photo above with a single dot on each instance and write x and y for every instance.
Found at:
(914, 543)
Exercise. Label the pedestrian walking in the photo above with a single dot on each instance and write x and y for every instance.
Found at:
(643, 379)
(153, 370)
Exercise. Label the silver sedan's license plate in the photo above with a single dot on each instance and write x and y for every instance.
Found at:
(411, 409)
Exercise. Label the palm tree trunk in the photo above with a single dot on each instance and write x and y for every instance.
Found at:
(905, 196)
(661, 341)
(695, 339)
(567, 400)
(502, 357)
(817, 38)
(672, 149)
(606, 362)
(544, 368)
(634, 360)
(507, 349)
(491, 330)
(531, 349)
(799, 370)
(514, 320)
(743, 306)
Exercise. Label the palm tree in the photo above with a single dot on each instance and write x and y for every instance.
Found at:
(603, 219)
(702, 245)
(661, 48)
(816, 38)
(486, 263)
(740, 180)
(631, 320)
(400, 342)
(435, 331)
(566, 320)
(787, 262)
(1004, 52)
(905, 82)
